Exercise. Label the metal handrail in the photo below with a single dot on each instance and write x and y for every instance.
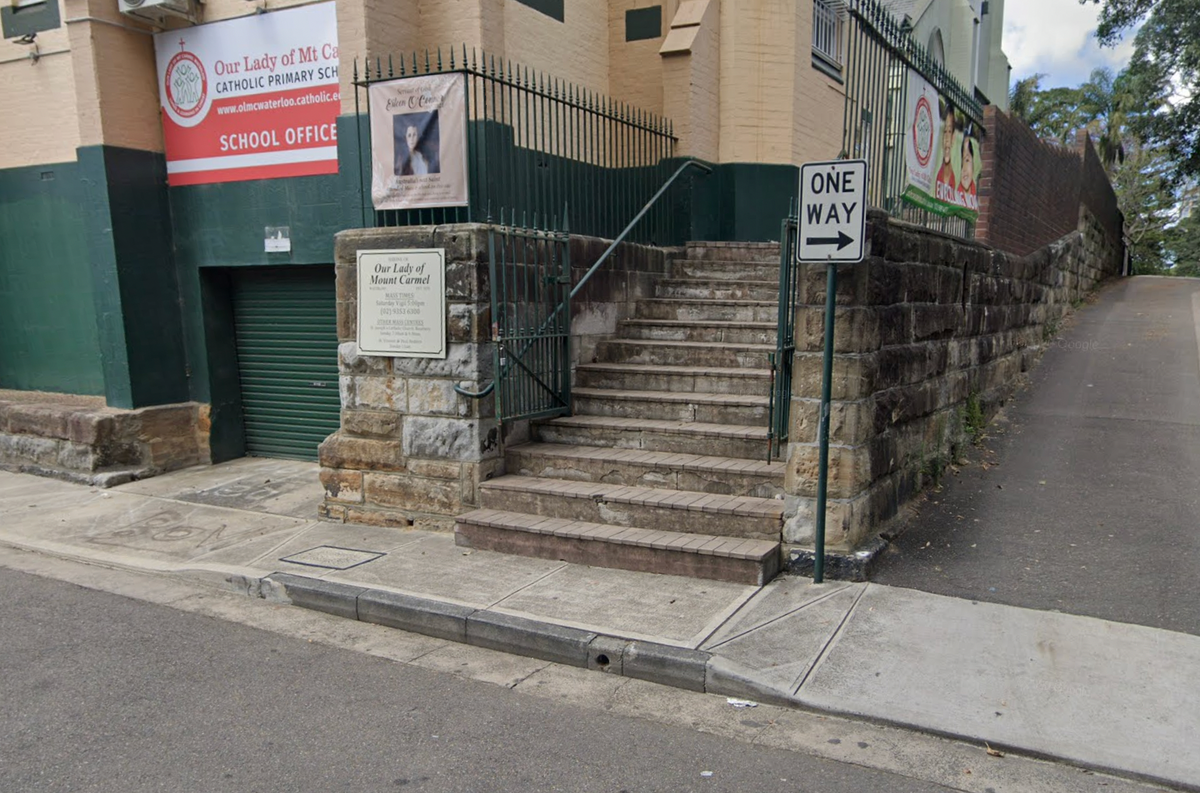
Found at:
(591, 271)
(625, 233)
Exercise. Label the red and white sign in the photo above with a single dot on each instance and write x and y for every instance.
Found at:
(251, 98)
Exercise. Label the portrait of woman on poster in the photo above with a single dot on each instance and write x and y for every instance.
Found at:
(946, 174)
(970, 159)
(415, 137)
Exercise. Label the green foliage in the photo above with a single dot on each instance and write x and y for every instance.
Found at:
(1099, 106)
(1146, 194)
(1163, 74)
(973, 421)
(1050, 329)
(1183, 247)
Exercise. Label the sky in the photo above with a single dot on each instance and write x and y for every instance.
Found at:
(1058, 38)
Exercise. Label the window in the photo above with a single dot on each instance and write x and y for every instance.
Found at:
(827, 31)
(643, 23)
(937, 50)
(23, 17)
(551, 8)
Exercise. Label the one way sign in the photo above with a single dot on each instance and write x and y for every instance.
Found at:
(833, 216)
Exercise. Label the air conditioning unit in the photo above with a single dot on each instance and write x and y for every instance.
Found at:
(157, 11)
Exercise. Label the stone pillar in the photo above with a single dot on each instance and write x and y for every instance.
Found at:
(899, 379)
(412, 451)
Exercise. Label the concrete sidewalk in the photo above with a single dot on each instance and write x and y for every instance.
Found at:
(1100, 694)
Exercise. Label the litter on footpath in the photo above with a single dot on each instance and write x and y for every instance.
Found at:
(706, 773)
(741, 703)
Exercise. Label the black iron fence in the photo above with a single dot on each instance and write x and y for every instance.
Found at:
(531, 318)
(541, 146)
(880, 54)
(782, 360)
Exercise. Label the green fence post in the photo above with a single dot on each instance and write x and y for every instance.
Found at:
(823, 429)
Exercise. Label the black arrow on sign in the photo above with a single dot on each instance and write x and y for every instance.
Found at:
(841, 240)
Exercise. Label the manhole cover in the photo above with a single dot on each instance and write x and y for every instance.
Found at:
(332, 557)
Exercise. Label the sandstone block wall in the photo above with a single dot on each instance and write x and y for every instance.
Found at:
(931, 335)
(81, 440)
(411, 451)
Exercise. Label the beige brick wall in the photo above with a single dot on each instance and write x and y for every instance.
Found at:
(692, 80)
(635, 67)
(819, 102)
(37, 102)
(758, 50)
(575, 50)
(115, 62)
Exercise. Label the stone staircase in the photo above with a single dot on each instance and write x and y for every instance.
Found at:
(663, 466)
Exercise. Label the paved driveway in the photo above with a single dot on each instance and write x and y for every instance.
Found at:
(1086, 497)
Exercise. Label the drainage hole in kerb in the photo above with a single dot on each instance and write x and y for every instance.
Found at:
(602, 659)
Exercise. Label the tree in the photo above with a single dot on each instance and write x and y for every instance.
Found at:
(1164, 72)
(1183, 246)
(1099, 105)
(1022, 95)
(1145, 193)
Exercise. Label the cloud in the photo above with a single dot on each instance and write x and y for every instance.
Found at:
(1058, 38)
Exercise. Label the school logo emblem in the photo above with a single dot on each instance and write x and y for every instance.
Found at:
(186, 86)
(922, 131)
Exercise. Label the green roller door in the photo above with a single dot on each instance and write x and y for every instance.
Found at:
(286, 324)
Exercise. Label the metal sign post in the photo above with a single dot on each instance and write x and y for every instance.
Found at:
(832, 229)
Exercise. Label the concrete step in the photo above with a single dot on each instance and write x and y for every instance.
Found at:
(690, 310)
(726, 271)
(637, 507)
(726, 440)
(673, 406)
(752, 562)
(734, 251)
(689, 379)
(710, 289)
(684, 330)
(729, 476)
(684, 353)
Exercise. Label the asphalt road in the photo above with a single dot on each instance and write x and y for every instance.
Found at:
(103, 693)
(1086, 496)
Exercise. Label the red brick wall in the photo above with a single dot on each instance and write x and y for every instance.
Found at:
(1030, 191)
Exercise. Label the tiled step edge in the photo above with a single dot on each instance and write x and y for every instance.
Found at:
(684, 500)
(753, 562)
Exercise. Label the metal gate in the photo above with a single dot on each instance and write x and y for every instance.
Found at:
(286, 328)
(531, 320)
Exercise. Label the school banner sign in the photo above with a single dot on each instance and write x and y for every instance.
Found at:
(943, 154)
(251, 98)
(419, 142)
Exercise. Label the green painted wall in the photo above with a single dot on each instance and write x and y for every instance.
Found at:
(217, 227)
(742, 202)
(127, 220)
(48, 336)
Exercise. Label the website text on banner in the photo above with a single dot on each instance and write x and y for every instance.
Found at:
(942, 152)
(419, 142)
(251, 98)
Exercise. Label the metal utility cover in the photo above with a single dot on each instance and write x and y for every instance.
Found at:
(833, 211)
(332, 558)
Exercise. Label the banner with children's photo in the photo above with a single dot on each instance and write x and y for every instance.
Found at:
(943, 154)
(419, 142)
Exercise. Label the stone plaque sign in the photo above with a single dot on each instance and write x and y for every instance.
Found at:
(402, 303)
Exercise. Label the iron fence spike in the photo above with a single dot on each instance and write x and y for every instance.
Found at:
(439, 58)
(391, 70)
